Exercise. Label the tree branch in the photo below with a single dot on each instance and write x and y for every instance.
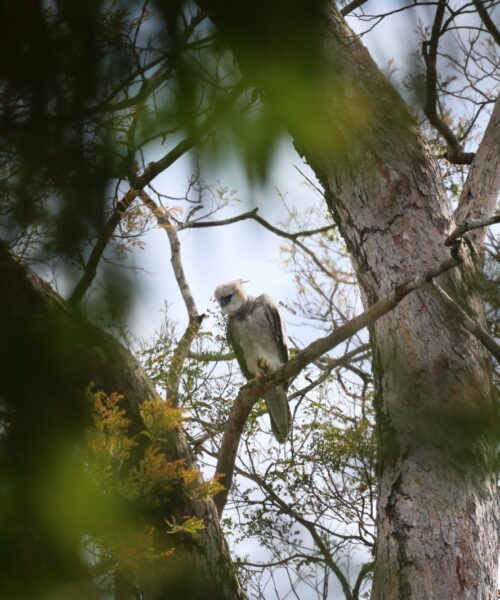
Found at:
(363, 572)
(466, 226)
(253, 214)
(352, 6)
(469, 324)
(311, 528)
(455, 152)
(487, 20)
(220, 222)
(195, 319)
(331, 364)
(152, 170)
(258, 387)
(479, 194)
(293, 237)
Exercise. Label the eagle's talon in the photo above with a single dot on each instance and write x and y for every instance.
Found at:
(262, 364)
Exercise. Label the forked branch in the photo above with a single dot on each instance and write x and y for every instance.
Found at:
(182, 349)
(469, 324)
(455, 152)
(469, 225)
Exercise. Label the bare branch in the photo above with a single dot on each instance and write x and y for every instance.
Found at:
(179, 357)
(487, 20)
(311, 528)
(469, 225)
(455, 153)
(480, 191)
(182, 350)
(102, 241)
(258, 387)
(352, 6)
(152, 170)
(331, 364)
(472, 326)
(252, 214)
(293, 237)
(220, 222)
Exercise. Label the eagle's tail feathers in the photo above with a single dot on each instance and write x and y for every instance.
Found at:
(279, 412)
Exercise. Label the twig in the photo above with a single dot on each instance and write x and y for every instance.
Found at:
(311, 528)
(468, 225)
(472, 326)
(195, 319)
(487, 20)
(455, 153)
(331, 364)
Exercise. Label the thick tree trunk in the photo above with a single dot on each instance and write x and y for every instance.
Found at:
(49, 353)
(437, 528)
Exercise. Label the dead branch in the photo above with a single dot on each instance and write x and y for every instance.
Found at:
(469, 225)
(195, 319)
(293, 237)
(472, 326)
(455, 152)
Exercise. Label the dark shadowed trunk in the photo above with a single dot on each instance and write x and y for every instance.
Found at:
(49, 353)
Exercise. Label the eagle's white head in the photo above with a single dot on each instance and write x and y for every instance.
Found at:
(231, 296)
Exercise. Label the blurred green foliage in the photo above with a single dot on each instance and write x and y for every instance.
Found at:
(87, 86)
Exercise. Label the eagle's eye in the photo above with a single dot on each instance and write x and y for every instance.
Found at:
(225, 300)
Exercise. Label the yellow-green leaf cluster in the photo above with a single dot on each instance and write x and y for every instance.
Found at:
(145, 476)
(153, 478)
(108, 442)
(159, 418)
(199, 489)
(191, 526)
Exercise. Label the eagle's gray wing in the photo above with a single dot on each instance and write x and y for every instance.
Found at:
(274, 318)
(276, 399)
(232, 338)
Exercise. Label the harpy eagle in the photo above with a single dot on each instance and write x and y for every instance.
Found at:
(256, 333)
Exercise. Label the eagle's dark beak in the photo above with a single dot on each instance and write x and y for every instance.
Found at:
(225, 300)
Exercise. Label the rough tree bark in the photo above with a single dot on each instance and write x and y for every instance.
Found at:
(48, 350)
(437, 527)
(436, 520)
